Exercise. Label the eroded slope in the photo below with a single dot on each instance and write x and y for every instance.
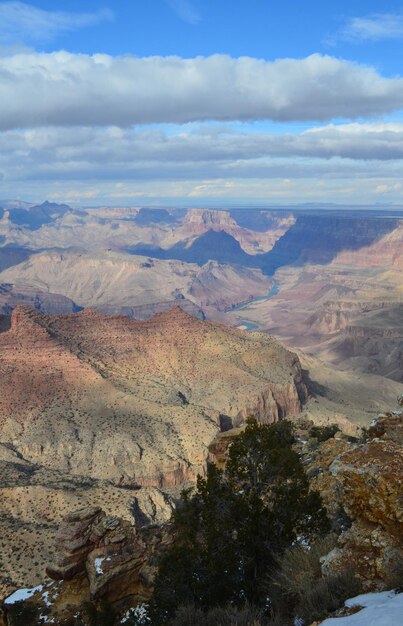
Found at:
(135, 402)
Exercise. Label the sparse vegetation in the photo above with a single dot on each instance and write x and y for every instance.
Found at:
(298, 587)
(323, 433)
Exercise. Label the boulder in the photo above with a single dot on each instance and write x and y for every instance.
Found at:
(371, 479)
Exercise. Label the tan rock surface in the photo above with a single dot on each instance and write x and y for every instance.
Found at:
(34, 500)
(371, 478)
(135, 402)
(106, 278)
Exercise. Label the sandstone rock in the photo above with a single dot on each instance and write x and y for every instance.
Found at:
(371, 477)
(75, 540)
(115, 564)
(152, 506)
(389, 425)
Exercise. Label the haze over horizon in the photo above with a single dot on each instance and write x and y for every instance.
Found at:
(190, 103)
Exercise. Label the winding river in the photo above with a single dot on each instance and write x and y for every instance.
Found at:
(247, 324)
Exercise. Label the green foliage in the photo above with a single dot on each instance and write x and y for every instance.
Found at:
(323, 433)
(22, 614)
(230, 531)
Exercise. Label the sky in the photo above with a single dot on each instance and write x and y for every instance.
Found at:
(201, 102)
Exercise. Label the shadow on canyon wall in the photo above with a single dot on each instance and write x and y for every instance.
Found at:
(312, 239)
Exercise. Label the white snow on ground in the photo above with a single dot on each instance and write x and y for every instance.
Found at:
(22, 594)
(46, 600)
(381, 609)
(46, 620)
(139, 614)
(98, 563)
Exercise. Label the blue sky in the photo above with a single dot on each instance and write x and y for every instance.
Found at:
(259, 28)
(263, 103)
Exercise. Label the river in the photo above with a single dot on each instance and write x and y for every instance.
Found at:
(244, 322)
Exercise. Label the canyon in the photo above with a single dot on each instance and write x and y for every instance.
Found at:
(119, 410)
(121, 338)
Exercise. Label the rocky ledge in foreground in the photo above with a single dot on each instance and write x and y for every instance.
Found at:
(102, 560)
(363, 486)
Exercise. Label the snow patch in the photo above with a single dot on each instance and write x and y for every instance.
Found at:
(46, 620)
(22, 594)
(380, 609)
(98, 563)
(139, 614)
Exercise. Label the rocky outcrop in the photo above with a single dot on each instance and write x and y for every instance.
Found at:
(199, 221)
(370, 478)
(389, 425)
(35, 500)
(145, 311)
(100, 559)
(109, 553)
(360, 479)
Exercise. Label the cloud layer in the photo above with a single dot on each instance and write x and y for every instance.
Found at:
(349, 150)
(65, 89)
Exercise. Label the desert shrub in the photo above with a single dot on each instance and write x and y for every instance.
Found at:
(395, 573)
(219, 616)
(328, 594)
(300, 589)
(230, 531)
(323, 433)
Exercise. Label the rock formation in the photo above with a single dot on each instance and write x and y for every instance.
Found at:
(35, 500)
(43, 301)
(114, 558)
(99, 559)
(371, 477)
(117, 281)
(135, 402)
(370, 482)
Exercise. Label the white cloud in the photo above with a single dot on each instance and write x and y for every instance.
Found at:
(375, 27)
(23, 22)
(192, 153)
(75, 89)
(384, 188)
(185, 10)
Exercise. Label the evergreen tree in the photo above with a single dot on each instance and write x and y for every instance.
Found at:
(230, 531)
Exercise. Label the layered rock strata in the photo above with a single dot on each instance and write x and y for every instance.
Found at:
(100, 559)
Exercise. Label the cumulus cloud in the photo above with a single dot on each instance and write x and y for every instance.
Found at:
(375, 27)
(23, 22)
(67, 89)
